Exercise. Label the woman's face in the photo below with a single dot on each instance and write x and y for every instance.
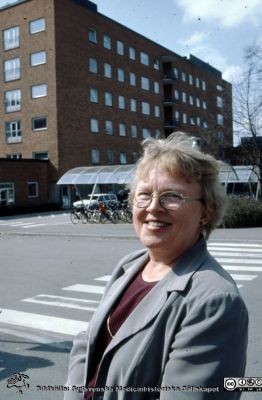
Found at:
(168, 233)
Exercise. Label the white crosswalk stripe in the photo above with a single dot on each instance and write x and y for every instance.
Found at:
(243, 262)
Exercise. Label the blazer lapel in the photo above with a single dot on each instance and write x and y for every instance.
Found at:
(176, 280)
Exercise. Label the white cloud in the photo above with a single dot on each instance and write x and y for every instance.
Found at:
(228, 13)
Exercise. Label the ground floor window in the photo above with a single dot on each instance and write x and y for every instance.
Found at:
(7, 194)
(32, 189)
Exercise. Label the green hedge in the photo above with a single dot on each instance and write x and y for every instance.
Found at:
(243, 212)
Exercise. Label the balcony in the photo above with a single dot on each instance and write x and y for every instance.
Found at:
(171, 123)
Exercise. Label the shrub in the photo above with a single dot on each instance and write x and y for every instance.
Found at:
(243, 212)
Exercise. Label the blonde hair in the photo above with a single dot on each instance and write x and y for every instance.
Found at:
(178, 154)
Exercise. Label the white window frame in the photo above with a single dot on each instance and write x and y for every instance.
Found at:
(13, 100)
(34, 29)
(39, 129)
(41, 60)
(11, 38)
(42, 87)
(13, 131)
(92, 35)
(12, 69)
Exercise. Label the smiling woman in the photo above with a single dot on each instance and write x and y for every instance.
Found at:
(171, 316)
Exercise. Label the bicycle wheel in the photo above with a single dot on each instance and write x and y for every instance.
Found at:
(84, 217)
(74, 217)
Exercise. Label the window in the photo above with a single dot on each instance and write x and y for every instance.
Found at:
(92, 35)
(93, 95)
(132, 78)
(146, 133)
(43, 155)
(132, 53)
(123, 157)
(133, 131)
(120, 47)
(158, 134)
(204, 85)
(183, 76)
(220, 120)
(219, 87)
(184, 97)
(121, 102)
(145, 83)
(13, 100)
(32, 189)
(157, 111)
(108, 99)
(109, 127)
(39, 123)
(135, 156)
(133, 105)
(12, 69)
(156, 87)
(38, 91)
(198, 102)
(184, 118)
(107, 42)
(120, 75)
(107, 70)
(204, 104)
(190, 77)
(38, 58)
(176, 94)
(13, 132)
(95, 156)
(144, 58)
(14, 156)
(11, 38)
(198, 121)
(93, 65)
(197, 82)
(122, 129)
(219, 101)
(156, 64)
(94, 126)
(177, 116)
(38, 25)
(110, 156)
(191, 100)
(176, 73)
(192, 120)
(7, 192)
(205, 124)
(145, 108)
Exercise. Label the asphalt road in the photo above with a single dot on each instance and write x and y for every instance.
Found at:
(52, 277)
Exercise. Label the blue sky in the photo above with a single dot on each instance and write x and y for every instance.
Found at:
(216, 31)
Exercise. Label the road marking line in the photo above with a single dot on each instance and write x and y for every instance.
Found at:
(237, 260)
(104, 278)
(242, 277)
(241, 268)
(42, 322)
(222, 253)
(60, 301)
(86, 288)
(235, 244)
(244, 250)
(33, 226)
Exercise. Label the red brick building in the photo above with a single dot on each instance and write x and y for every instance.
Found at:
(80, 89)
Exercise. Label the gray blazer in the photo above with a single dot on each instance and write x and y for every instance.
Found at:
(190, 330)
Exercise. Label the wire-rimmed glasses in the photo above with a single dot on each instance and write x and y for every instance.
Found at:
(170, 200)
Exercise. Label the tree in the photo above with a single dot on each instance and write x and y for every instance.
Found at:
(247, 110)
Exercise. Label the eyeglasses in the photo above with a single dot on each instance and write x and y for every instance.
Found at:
(169, 200)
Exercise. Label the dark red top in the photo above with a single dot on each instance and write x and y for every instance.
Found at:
(135, 292)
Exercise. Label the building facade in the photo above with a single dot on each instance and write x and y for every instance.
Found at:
(80, 89)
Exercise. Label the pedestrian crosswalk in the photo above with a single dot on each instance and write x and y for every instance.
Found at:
(243, 262)
(35, 221)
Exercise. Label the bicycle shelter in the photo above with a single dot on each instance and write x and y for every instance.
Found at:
(230, 176)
